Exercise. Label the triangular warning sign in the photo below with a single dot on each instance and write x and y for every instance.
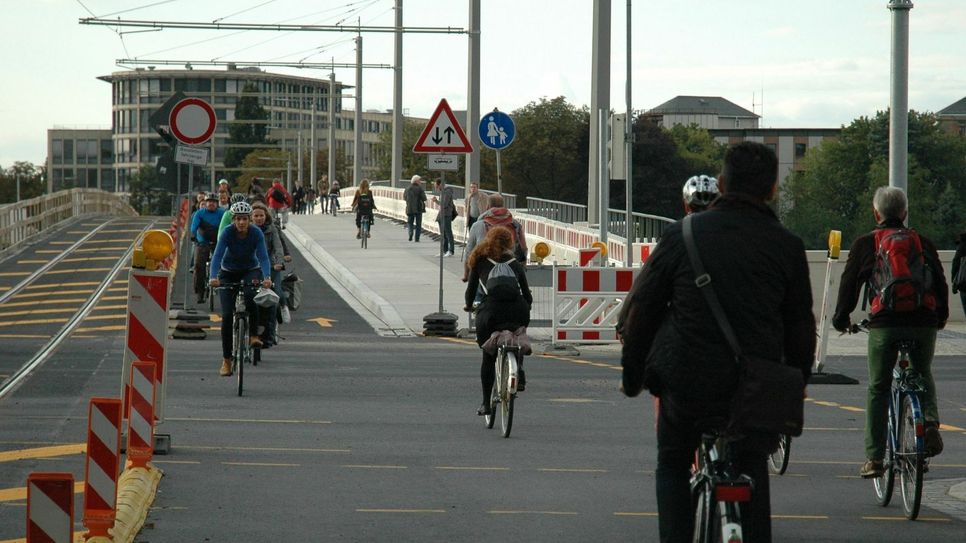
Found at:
(443, 134)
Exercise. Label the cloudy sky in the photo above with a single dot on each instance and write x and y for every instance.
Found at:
(816, 63)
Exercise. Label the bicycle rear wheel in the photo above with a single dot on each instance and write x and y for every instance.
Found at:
(490, 419)
(778, 460)
(705, 519)
(911, 456)
(365, 233)
(506, 397)
(243, 350)
(884, 484)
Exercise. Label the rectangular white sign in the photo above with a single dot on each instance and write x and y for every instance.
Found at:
(185, 154)
(450, 163)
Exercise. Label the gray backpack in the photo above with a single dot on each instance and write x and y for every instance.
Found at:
(501, 284)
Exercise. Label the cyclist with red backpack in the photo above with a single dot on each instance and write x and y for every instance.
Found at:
(909, 302)
(279, 200)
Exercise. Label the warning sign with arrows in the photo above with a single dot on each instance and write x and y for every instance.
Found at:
(443, 134)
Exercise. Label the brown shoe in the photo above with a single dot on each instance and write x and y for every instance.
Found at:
(872, 469)
(225, 367)
(932, 441)
(256, 342)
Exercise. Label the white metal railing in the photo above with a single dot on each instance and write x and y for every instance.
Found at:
(643, 226)
(557, 211)
(21, 220)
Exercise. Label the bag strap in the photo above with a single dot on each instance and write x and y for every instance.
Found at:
(703, 282)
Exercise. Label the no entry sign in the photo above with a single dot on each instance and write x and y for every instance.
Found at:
(192, 121)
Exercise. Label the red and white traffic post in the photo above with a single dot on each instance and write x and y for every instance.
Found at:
(50, 508)
(140, 428)
(102, 465)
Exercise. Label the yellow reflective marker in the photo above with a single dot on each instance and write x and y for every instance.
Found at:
(834, 244)
(323, 322)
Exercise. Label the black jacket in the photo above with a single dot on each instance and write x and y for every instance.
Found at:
(672, 342)
(858, 273)
(957, 258)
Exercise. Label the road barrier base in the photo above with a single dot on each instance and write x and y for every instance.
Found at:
(162, 444)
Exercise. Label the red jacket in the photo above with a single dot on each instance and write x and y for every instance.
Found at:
(278, 204)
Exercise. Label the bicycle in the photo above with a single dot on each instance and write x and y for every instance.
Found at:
(905, 447)
(209, 290)
(334, 204)
(365, 231)
(242, 351)
(778, 460)
(717, 488)
(504, 388)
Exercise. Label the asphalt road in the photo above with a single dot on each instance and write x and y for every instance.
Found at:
(343, 435)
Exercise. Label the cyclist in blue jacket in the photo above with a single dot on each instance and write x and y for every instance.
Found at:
(204, 234)
(241, 256)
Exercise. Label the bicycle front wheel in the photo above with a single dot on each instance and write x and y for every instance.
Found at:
(778, 460)
(242, 349)
(911, 456)
(506, 397)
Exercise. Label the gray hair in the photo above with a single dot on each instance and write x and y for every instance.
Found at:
(890, 202)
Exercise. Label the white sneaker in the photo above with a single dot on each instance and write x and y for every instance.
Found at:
(449, 254)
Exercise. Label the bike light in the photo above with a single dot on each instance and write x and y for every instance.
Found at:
(732, 492)
(903, 363)
(920, 429)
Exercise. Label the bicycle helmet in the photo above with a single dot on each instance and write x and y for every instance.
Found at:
(241, 208)
(211, 196)
(699, 191)
(237, 197)
(266, 297)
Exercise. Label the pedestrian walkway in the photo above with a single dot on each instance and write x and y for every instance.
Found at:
(397, 281)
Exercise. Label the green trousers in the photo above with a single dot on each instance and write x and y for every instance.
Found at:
(882, 358)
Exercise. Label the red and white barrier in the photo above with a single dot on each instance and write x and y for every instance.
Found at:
(102, 465)
(588, 256)
(147, 331)
(50, 508)
(140, 428)
(587, 302)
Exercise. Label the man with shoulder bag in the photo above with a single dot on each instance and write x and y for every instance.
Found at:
(722, 330)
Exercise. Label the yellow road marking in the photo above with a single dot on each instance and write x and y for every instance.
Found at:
(903, 518)
(43, 452)
(49, 251)
(100, 249)
(57, 310)
(175, 462)
(520, 512)
(88, 242)
(274, 421)
(458, 340)
(573, 470)
(945, 426)
(110, 328)
(34, 321)
(368, 466)
(395, 511)
(121, 316)
(261, 464)
(14, 494)
(64, 293)
(46, 302)
(58, 285)
(259, 449)
(89, 258)
(472, 468)
(578, 361)
(32, 261)
(633, 514)
(24, 336)
(855, 409)
(14, 274)
(802, 517)
(80, 270)
(576, 400)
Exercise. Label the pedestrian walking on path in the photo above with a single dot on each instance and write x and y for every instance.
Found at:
(415, 198)
(447, 214)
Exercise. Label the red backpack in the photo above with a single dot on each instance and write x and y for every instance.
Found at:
(901, 280)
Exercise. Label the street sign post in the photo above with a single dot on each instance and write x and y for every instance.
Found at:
(497, 131)
(449, 163)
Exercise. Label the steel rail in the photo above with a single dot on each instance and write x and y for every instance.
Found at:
(47, 350)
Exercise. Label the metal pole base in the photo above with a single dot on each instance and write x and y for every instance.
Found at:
(162, 444)
(441, 323)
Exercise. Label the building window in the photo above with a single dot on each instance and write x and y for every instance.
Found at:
(800, 149)
(165, 86)
(773, 147)
(107, 153)
(68, 151)
(107, 180)
(58, 152)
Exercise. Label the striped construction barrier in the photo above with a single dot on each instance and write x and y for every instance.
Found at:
(587, 302)
(140, 427)
(588, 256)
(102, 465)
(147, 331)
(50, 508)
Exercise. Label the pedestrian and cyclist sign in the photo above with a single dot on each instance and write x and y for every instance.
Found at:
(443, 133)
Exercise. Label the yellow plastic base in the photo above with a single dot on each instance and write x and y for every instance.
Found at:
(136, 490)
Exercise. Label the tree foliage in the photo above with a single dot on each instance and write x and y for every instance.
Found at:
(32, 181)
(835, 187)
(149, 196)
(412, 163)
(247, 108)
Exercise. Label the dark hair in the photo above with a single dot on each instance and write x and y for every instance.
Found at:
(750, 168)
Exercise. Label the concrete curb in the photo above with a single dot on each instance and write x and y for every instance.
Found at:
(377, 305)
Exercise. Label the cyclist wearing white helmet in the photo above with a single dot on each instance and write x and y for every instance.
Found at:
(241, 256)
(698, 193)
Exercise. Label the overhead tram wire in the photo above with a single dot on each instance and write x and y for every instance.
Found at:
(151, 5)
(219, 19)
(118, 31)
(272, 27)
(308, 65)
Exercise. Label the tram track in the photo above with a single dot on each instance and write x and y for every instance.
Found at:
(30, 294)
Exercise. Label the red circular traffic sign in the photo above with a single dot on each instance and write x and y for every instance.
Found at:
(192, 121)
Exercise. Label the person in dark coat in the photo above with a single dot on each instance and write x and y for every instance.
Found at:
(957, 262)
(415, 197)
(674, 348)
(493, 314)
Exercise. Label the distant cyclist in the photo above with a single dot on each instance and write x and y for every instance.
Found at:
(204, 233)
(698, 193)
(364, 204)
(241, 256)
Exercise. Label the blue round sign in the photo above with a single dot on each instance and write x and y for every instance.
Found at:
(497, 130)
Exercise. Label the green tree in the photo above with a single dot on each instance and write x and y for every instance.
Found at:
(149, 196)
(835, 187)
(247, 108)
(32, 181)
(412, 163)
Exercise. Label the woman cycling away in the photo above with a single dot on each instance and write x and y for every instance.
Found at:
(273, 243)
(363, 203)
(240, 257)
(506, 301)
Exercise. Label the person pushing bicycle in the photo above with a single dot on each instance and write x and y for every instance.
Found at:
(241, 256)
(902, 270)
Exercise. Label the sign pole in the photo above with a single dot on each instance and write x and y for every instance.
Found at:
(499, 174)
(442, 242)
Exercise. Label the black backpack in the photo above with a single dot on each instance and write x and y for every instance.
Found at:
(278, 195)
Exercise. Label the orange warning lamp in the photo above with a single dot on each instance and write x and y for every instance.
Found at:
(834, 244)
(157, 245)
(541, 250)
(602, 246)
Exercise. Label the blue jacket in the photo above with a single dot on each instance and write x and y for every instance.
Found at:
(211, 219)
(235, 254)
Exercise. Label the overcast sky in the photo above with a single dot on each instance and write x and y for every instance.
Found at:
(820, 63)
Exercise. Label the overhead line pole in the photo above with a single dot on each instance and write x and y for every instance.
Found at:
(397, 92)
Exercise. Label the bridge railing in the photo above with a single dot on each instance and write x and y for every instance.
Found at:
(557, 211)
(21, 220)
(643, 226)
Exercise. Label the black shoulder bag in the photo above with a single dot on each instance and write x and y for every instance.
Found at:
(770, 396)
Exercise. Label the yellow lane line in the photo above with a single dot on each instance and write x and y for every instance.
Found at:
(272, 421)
(33, 261)
(34, 321)
(43, 452)
(89, 258)
(57, 310)
(634, 514)
(801, 517)
(573, 470)
(46, 302)
(471, 468)
(79, 270)
(903, 518)
(458, 340)
(64, 293)
(368, 466)
(520, 512)
(14, 494)
(825, 403)
(582, 362)
(395, 511)
(24, 336)
(48, 251)
(259, 449)
(576, 400)
(111, 328)
(59, 285)
(121, 316)
(175, 462)
(261, 464)
(14, 274)
(88, 242)
(101, 249)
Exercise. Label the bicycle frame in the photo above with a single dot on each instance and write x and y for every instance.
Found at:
(718, 489)
(905, 383)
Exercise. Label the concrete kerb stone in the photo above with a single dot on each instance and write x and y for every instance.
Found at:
(376, 304)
